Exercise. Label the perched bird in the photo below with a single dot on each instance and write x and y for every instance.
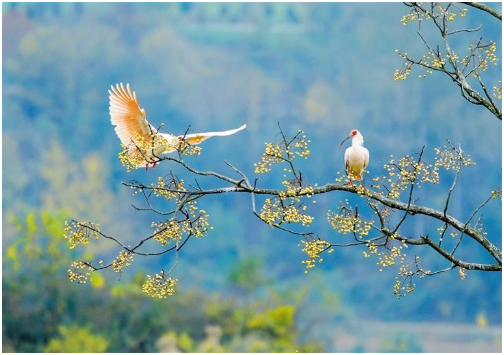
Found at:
(144, 143)
(356, 156)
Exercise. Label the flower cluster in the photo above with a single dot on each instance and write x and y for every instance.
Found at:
(462, 273)
(439, 11)
(402, 74)
(195, 223)
(404, 279)
(430, 60)
(490, 53)
(497, 92)
(80, 233)
(168, 231)
(405, 172)
(159, 286)
(294, 190)
(287, 208)
(451, 158)
(404, 283)
(390, 257)
(344, 221)
(80, 272)
(291, 214)
(301, 146)
(497, 193)
(190, 149)
(123, 260)
(273, 154)
(198, 221)
(481, 54)
(168, 189)
(271, 212)
(313, 249)
(438, 62)
(372, 247)
(285, 151)
(276, 212)
(413, 16)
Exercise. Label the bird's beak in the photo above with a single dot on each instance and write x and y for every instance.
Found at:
(344, 140)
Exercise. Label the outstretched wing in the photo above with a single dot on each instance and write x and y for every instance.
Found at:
(197, 138)
(127, 116)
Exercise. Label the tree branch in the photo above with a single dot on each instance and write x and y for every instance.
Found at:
(485, 8)
(389, 202)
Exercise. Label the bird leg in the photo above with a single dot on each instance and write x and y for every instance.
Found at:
(148, 165)
(363, 184)
(349, 181)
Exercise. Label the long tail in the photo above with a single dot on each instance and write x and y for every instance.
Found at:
(197, 138)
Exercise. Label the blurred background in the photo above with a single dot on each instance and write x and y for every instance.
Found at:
(323, 68)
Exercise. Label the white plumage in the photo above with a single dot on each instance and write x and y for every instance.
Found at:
(356, 156)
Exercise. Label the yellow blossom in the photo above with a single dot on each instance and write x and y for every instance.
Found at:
(159, 286)
(313, 249)
(123, 260)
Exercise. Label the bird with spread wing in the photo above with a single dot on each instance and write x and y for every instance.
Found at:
(143, 143)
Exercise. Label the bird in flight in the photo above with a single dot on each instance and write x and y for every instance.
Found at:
(356, 156)
(143, 141)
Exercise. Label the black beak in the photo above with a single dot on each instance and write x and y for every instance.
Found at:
(344, 140)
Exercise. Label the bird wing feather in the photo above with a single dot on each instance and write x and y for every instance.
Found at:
(347, 162)
(366, 158)
(127, 116)
(197, 138)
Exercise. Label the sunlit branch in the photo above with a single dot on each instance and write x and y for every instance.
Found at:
(440, 20)
(485, 8)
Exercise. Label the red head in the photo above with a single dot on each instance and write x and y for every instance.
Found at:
(352, 134)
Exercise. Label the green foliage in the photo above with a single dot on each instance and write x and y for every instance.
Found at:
(32, 270)
(401, 344)
(247, 274)
(75, 339)
(39, 242)
(72, 316)
(77, 187)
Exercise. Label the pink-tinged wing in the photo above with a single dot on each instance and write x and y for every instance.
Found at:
(197, 138)
(127, 116)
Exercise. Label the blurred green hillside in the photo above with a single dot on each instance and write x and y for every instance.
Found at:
(324, 68)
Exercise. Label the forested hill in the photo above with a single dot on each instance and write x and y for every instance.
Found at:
(322, 68)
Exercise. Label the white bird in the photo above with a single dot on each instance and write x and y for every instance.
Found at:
(356, 156)
(132, 126)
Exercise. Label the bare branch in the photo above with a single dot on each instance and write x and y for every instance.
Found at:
(465, 30)
(485, 8)
(466, 265)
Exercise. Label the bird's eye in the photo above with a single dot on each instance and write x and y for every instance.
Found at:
(354, 132)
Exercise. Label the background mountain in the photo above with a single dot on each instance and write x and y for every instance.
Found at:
(323, 68)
